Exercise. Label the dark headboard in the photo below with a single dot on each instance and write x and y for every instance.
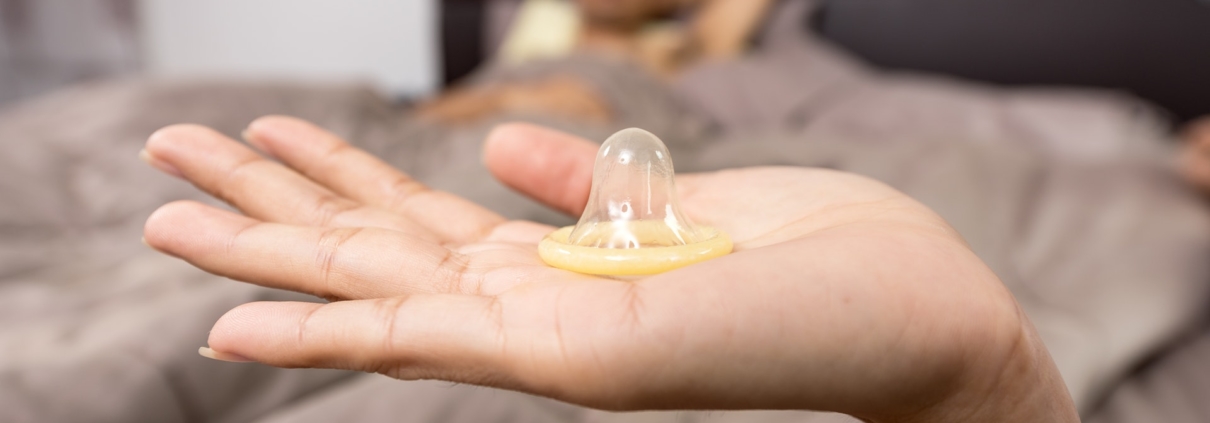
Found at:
(470, 32)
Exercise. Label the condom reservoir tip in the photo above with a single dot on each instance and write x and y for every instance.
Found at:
(632, 224)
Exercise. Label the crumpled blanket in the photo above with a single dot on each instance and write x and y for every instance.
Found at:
(1065, 194)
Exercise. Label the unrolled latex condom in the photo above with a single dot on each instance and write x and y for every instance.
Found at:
(632, 224)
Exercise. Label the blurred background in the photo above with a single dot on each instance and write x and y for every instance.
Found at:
(45, 44)
(413, 48)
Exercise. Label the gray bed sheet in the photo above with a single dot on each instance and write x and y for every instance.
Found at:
(1066, 194)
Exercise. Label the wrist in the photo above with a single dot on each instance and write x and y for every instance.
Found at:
(1025, 386)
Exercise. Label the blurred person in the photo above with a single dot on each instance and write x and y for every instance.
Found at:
(721, 30)
(614, 31)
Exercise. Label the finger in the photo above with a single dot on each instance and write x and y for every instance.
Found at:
(260, 188)
(334, 263)
(448, 337)
(550, 166)
(325, 158)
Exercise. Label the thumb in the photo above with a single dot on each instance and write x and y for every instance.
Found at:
(549, 166)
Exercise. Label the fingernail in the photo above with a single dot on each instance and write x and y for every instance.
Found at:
(144, 239)
(222, 356)
(160, 164)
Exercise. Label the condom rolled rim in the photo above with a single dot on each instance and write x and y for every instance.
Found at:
(556, 251)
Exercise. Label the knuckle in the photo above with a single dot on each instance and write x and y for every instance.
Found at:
(451, 272)
(328, 207)
(405, 357)
(327, 250)
(233, 241)
(301, 338)
(237, 178)
(495, 315)
(402, 190)
(389, 310)
(336, 156)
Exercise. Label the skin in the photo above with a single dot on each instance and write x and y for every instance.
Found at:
(719, 30)
(624, 15)
(842, 295)
(1195, 155)
(560, 95)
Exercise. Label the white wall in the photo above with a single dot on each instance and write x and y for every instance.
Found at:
(392, 43)
(46, 44)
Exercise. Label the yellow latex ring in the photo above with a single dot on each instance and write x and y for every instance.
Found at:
(557, 252)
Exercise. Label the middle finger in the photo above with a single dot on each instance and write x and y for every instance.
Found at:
(261, 188)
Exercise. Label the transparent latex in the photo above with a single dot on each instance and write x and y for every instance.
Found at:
(633, 203)
(632, 224)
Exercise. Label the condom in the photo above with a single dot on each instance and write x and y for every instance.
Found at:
(632, 224)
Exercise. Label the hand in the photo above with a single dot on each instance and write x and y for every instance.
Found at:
(842, 294)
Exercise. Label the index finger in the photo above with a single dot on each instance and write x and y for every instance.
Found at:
(552, 167)
(353, 173)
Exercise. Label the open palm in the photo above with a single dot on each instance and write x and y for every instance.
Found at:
(842, 294)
